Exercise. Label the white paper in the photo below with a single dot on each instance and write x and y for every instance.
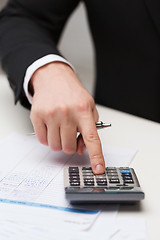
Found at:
(127, 228)
(54, 218)
(118, 156)
(32, 174)
(41, 225)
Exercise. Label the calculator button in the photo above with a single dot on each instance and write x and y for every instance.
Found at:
(74, 181)
(89, 180)
(126, 174)
(128, 181)
(116, 180)
(101, 180)
(73, 170)
(74, 174)
(100, 177)
(88, 174)
(87, 177)
(125, 170)
(111, 171)
(89, 183)
(75, 184)
(74, 177)
(127, 177)
(87, 171)
(113, 177)
(111, 168)
(86, 168)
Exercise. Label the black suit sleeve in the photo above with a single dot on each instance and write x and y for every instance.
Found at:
(30, 30)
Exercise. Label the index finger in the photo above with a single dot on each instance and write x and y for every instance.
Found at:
(93, 144)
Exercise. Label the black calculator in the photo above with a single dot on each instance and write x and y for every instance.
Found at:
(116, 185)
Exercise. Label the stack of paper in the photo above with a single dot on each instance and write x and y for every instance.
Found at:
(33, 204)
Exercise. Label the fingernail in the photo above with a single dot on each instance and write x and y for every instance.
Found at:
(99, 168)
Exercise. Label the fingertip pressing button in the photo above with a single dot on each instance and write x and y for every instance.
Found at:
(100, 169)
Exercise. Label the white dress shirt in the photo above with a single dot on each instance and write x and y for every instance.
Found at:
(37, 64)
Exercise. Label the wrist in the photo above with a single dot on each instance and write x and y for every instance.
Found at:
(40, 74)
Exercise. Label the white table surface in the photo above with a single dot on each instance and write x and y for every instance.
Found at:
(126, 131)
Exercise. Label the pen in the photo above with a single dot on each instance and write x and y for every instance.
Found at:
(99, 125)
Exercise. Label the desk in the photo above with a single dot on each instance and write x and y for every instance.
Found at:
(126, 131)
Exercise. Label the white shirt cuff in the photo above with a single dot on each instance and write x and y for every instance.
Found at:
(37, 64)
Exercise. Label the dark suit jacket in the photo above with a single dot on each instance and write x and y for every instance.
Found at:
(126, 35)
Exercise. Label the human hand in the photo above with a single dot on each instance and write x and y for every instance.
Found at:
(61, 107)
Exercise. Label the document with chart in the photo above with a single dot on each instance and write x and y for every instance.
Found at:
(31, 175)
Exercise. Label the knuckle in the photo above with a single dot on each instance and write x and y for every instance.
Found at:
(45, 113)
(64, 110)
(83, 106)
(92, 137)
(55, 148)
(50, 113)
(69, 149)
(91, 101)
(96, 157)
(35, 113)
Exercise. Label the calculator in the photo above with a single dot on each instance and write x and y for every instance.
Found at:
(116, 185)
